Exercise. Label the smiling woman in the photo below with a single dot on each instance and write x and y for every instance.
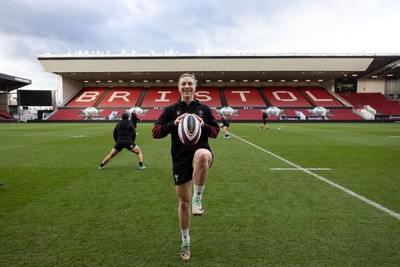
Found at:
(190, 163)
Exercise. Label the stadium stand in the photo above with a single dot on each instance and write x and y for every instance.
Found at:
(152, 114)
(243, 97)
(160, 97)
(121, 97)
(248, 102)
(377, 101)
(75, 114)
(320, 97)
(285, 97)
(343, 114)
(64, 114)
(247, 115)
(209, 96)
(247, 83)
(4, 115)
(165, 96)
(87, 97)
(352, 101)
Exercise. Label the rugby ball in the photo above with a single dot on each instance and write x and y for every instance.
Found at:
(189, 130)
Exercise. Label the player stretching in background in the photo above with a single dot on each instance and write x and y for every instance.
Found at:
(265, 120)
(124, 135)
(225, 125)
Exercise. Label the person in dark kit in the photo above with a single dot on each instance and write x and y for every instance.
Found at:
(191, 164)
(134, 119)
(124, 135)
(265, 120)
(225, 125)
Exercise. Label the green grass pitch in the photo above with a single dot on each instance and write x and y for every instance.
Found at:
(272, 198)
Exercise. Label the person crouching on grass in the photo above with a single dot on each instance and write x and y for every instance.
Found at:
(190, 163)
(124, 135)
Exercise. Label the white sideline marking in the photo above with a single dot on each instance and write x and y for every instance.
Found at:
(344, 189)
(78, 136)
(296, 169)
(394, 136)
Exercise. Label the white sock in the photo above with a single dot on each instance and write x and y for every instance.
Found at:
(185, 236)
(198, 191)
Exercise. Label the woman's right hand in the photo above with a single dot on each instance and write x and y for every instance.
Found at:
(178, 120)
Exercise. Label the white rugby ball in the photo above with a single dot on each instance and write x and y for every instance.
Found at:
(189, 130)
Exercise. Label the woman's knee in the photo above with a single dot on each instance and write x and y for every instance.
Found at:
(203, 157)
(136, 150)
(184, 204)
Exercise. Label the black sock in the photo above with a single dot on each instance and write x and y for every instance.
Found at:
(140, 164)
(102, 165)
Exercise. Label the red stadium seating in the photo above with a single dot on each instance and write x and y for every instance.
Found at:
(152, 114)
(243, 97)
(285, 97)
(378, 102)
(246, 115)
(87, 97)
(290, 112)
(352, 101)
(319, 97)
(76, 114)
(248, 101)
(4, 115)
(121, 97)
(343, 114)
(68, 114)
(209, 96)
(165, 96)
(160, 97)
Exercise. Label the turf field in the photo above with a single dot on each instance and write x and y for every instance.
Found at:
(309, 195)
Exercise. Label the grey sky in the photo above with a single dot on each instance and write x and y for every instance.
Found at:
(29, 28)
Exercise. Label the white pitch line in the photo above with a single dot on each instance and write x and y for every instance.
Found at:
(78, 136)
(344, 189)
(295, 169)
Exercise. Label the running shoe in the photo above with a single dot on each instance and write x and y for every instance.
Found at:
(196, 206)
(100, 168)
(142, 167)
(185, 252)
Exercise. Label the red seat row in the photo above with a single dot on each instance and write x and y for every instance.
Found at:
(247, 101)
(212, 96)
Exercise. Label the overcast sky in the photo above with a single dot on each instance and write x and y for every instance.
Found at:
(30, 28)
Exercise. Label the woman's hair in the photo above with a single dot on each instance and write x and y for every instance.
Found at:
(125, 120)
(186, 75)
(125, 116)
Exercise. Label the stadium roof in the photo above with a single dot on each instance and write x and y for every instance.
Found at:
(166, 68)
(9, 83)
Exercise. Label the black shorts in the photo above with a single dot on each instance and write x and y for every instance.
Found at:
(125, 143)
(182, 170)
